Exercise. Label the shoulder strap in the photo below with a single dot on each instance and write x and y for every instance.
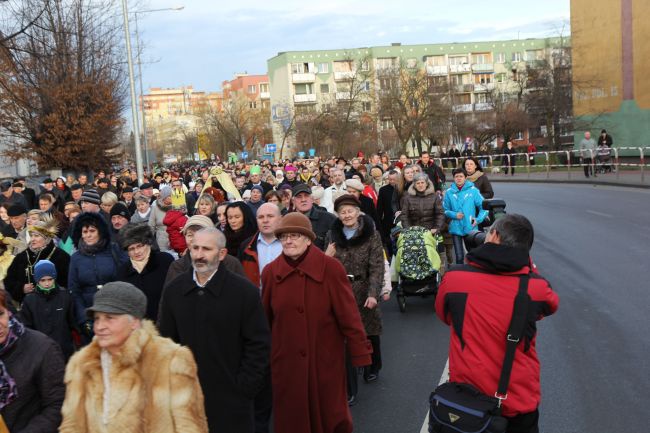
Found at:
(515, 334)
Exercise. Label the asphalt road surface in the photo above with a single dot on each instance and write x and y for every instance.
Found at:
(592, 244)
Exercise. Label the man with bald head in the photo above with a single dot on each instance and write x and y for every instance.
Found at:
(263, 247)
(218, 315)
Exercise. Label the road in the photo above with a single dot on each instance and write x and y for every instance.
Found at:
(592, 244)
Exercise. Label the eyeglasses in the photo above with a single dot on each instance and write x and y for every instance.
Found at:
(293, 236)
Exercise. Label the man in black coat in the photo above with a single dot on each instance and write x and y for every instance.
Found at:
(321, 221)
(219, 316)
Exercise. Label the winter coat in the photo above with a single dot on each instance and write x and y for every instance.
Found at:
(363, 257)
(153, 389)
(321, 222)
(156, 217)
(482, 183)
(17, 274)
(435, 173)
(175, 220)
(88, 271)
(52, 314)
(422, 209)
(223, 324)
(312, 312)
(136, 218)
(151, 281)
(476, 301)
(467, 200)
(36, 364)
(387, 206)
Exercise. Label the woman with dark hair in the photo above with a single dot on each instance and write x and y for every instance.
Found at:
(65, 190)
(476, 175)
(240, 225)
(31, 376)
(94, 264)
(147, 267)
(4, 216)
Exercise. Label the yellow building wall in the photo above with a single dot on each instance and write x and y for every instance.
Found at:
(597, 55)
(641, 27)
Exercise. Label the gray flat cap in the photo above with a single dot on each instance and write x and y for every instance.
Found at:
(119, 297)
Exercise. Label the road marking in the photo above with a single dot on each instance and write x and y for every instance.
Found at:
(593, 212)
(444, 378)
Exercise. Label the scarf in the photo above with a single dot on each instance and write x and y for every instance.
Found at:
(89, 250)
(139, 265)
(475, 176)
(8, 390)
(45, 291)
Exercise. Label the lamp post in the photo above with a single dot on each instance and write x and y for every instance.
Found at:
(137, 42)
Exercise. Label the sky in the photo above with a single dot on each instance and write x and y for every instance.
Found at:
(209, 41)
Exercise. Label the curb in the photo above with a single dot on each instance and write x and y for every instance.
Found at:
(573, 182)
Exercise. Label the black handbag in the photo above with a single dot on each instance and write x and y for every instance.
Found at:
(461, 408)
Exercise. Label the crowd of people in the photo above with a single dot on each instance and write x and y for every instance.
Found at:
(266, 278)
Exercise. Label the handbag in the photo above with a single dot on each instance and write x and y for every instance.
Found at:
(460, 407)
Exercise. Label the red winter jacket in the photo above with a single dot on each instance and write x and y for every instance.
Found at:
(175, 221)
(476, 300)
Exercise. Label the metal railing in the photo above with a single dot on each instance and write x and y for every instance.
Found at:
(612, 165)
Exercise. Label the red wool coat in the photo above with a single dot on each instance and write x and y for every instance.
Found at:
(175, 221)
(312, 311)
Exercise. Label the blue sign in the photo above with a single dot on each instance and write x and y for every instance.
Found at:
(312, 152)
(271, 148)
(301, 154)
(244, 155)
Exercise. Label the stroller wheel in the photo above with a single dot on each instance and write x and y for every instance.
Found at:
(401, 303)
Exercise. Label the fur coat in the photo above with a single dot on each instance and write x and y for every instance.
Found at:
(153, 388)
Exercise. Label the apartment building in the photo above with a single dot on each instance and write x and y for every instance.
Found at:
(610, 52)
(172, 113)
(303, 81)
(253, 87)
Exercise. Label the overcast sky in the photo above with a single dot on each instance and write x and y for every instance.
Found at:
(210, 40)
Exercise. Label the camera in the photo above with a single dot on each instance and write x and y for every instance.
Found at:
(496, 208)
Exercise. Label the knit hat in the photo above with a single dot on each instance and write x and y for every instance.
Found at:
(354, 184)
(90, 196)
(197, 221)
(346, 199)
(120, 209)
(255, 169)
(290, 168)
(257, 187)
(295, 222)
(16, 209)
(119, 297)
(44, 268)
(165, 192)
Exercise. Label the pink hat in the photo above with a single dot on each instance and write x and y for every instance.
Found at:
(290, 168)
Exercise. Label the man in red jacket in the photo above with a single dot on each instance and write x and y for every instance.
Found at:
(476, 300)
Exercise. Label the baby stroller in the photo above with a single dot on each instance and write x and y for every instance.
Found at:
(416, 264)
(604, 159)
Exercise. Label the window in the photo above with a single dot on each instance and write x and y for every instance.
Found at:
(264, 88)
(365, 86)
(412, 63)
(532, 55)
(436, 61)
(266, 105)
(366, 106)
(252, 89)
(462, 99)
(500, 78)
(386, 62)
(519, 136)
(302, 89)
(385, 83)
(365, 66)
(323, 68)
(302, 68)
(304, 109)
(386, 124)
(482, 58)
(252, 104)
(482, 78)
(343, 66)
(516, 56)
(324, 88)
(481, 98)
(457, 80)
(501, 57)
(457, 60)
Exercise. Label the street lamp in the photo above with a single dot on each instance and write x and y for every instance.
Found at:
(137, 42)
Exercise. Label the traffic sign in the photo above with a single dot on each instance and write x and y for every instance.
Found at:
(271, 148)
(244, 155)
(301, 154)
(312, 152)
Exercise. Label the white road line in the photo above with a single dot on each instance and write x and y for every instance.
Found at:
(444, 378)
(601, 214)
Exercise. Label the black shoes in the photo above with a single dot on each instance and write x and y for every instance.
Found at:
(369, 375)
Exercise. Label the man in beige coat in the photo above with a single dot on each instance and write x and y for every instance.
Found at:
(129, 379)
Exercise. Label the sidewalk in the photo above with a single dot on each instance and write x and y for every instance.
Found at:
(631, 178)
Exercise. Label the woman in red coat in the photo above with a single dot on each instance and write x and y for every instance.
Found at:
(312, 312)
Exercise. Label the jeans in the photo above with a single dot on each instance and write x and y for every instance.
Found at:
(459, 248)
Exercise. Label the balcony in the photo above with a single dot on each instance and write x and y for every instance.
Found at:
(463, 108)
(304, 99)
(459, 69)
(482, 67)
(303, 78)
(346, 75)
(437, 70)
(343, 96)
(265, 95)
(463, 88)
(482, 106)
(483, 87)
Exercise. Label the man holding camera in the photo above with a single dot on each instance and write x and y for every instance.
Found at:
(476, 300)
